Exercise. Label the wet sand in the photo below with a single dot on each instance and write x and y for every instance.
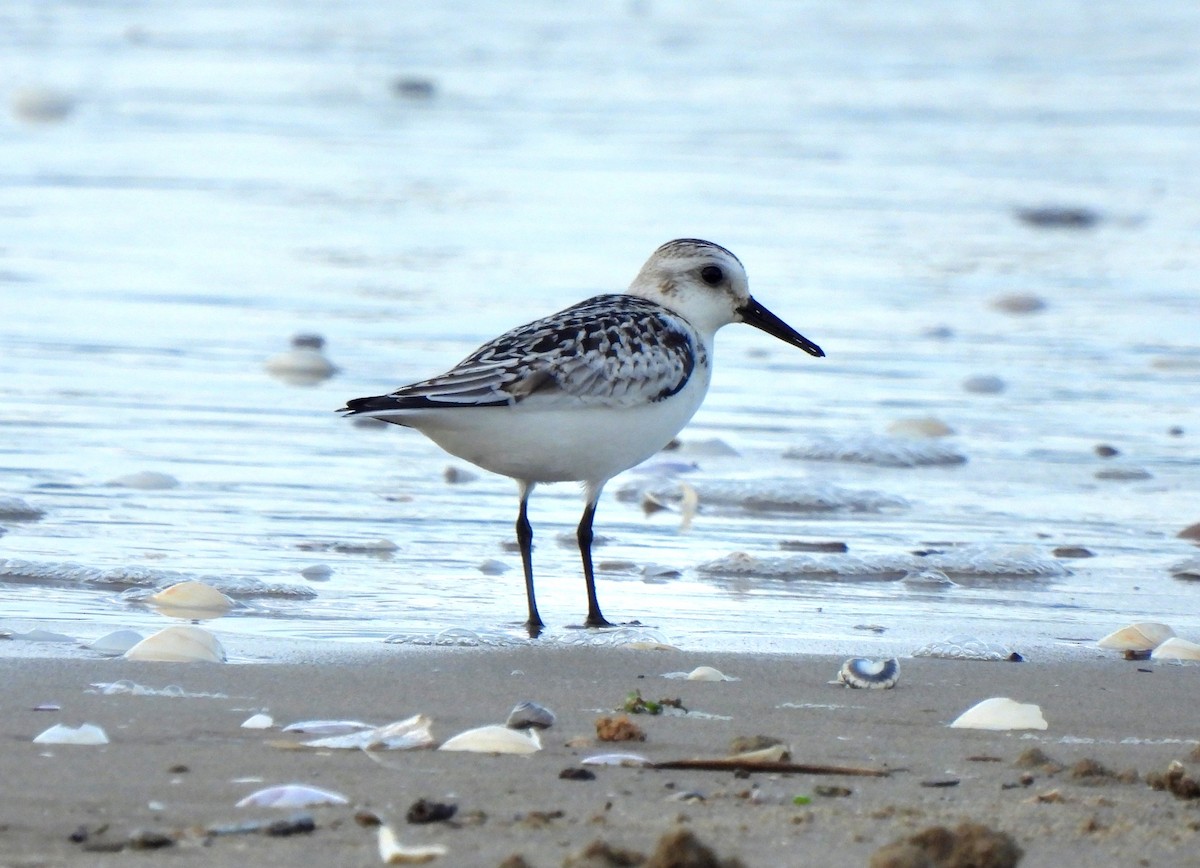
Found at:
(178, 765)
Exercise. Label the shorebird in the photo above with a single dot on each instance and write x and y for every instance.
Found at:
(590, 391)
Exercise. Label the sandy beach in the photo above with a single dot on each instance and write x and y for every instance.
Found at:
(175, 767)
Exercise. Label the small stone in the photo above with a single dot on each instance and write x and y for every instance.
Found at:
(1073, 552)
(1019, 303)
(1192, 531)
(1058, 216)
(574, 774)
(984, 384)
(148, 839)
(424, 811)
(1106, 451)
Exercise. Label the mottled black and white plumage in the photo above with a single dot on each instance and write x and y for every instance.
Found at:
(590, 391)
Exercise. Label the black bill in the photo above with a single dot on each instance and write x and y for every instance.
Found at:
(758, 316)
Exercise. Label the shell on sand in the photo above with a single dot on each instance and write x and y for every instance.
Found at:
(86, 733)
(258, 721)
(292, 796)
(1142, 636)
(870, 674)
(392, 852)
(182, 644)
(708, 673)
(412, 733)
(626, 760)
(530, 715)
(116, 643)
(1176, 649)
(191, 601)
(1001, 713)
(495, 739)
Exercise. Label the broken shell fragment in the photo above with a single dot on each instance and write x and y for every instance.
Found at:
(258, 721)
(530, 715)
(392, 852)
(116, 643)
(292, 796)
(1176, 649)
(1001, 713)
(495, 739)
(708, 673)
(182, 644)
(869, 674)
(628, 760)
(1142, 636)
(409, 734)
(86, 734)
(191, 601)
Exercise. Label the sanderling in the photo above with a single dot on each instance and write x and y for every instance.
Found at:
(589, 391)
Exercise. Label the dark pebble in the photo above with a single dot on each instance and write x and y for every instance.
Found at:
(1073, 552)
(1058, 217)
(298, 824)
(424, 811)
(573, 774)
(1106, 451)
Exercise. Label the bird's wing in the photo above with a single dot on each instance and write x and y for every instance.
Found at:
(611, 350)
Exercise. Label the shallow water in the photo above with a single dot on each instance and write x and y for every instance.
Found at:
(229, 175)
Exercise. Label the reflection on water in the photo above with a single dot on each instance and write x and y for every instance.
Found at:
(185, 191)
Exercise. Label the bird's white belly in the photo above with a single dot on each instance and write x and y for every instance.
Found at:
(583, 443)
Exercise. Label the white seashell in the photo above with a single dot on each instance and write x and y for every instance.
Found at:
(1142, 636)
(527, 715)
(86, 733)
(1001, 713)
(495, 739)
(146, 480)
(116, 643)
(869, 674)
(258, 721)
(409, 734)
(191, 601)
(628, 760)
(392, 852)
(708, 673)
(179, 645)
(1176, 649)
(292, 796)
(327, 727)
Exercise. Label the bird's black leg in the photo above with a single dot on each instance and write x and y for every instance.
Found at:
(584, 535)
(525, 540)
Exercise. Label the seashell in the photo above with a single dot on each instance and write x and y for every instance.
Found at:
(1176, 649)
(258, 721)
(493, 567)
(146, 480)
(191, 601)
(39, 635)
(326, 727)
(932, 578)
(495, 739)
(1000, 713)
(1186, 569)
(870, 674)
(292, 796)
(179, 645)
(773, 754)
(708, 673)
(85, 733)
(392, 852)
(116, 643)
(1142, 636)
(626, 760)
(412, 733)
(527, 715)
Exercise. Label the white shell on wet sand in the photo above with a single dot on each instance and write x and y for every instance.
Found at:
(701, 673)
(292, 796)
(1001, 713)
(628, 760)
(258, 721)
(86, 734)
(495, 739)
(146, 480)
(392, 852)
(191, 601)
(1142, 636)
(116, 643)
(1176, 649)
(179, 645)
(412, 733)
(869, 674)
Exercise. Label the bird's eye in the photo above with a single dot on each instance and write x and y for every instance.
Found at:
(712, 275)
